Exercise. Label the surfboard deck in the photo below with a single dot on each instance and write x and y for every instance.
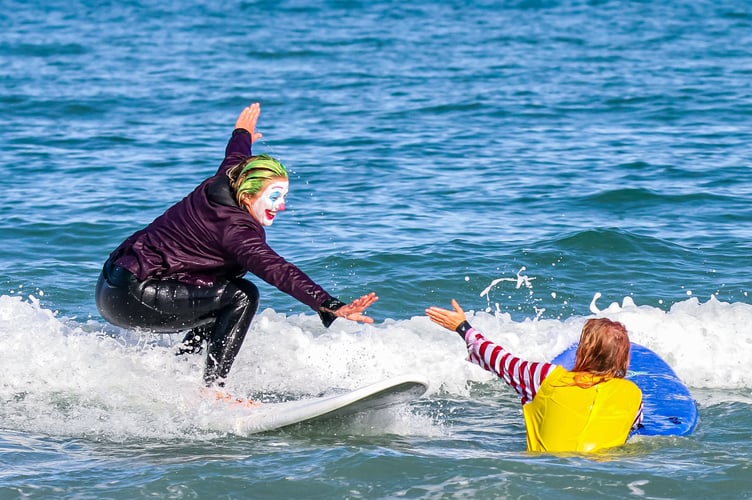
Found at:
(668, 407)
(339, 404)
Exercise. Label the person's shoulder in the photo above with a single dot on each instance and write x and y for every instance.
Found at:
(242, 226)
(633, 386)
(626, 386)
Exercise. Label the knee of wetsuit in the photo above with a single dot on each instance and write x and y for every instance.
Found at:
(246, 294)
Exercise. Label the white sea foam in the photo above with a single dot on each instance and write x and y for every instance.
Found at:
(90, 379)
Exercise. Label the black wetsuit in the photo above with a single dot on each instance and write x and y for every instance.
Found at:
(184, 271)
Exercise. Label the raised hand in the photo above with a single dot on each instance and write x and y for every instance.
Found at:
(247, 120)
(446, 318)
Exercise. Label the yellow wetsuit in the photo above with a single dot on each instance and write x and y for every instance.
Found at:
(565, 417)
(559, 415)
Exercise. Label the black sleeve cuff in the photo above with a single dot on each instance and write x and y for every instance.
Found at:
(240, 131)
(327, 318)
(463, 328)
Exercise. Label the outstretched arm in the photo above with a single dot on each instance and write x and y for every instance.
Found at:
(525, 377)
(243, 137)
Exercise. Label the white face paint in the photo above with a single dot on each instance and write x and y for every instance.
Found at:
(269, 201)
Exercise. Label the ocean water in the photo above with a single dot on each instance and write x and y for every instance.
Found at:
(542, 161)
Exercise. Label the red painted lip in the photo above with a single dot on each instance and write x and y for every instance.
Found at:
(269, 214)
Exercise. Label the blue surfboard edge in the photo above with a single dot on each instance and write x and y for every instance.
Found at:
(668, 407)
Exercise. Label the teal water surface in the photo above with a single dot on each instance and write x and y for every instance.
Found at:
(540, 161)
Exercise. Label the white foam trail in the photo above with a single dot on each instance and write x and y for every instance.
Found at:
(73, 378)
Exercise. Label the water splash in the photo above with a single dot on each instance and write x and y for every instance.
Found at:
(519, 281)
(66, 377)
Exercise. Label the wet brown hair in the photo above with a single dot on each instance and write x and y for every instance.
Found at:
(603, 352)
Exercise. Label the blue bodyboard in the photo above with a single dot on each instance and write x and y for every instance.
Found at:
(668, 407)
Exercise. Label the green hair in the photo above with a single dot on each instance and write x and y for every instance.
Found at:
(248, 177)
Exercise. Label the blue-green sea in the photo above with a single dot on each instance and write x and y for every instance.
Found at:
(541, 161)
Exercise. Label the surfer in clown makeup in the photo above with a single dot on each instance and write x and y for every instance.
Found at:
(184, 271)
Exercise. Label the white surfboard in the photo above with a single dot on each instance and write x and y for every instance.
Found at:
(272, 416)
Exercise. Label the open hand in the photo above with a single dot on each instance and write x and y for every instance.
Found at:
(247, 120)
(354, 310)
(446, 318)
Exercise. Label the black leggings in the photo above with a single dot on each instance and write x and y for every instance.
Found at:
(220, 313)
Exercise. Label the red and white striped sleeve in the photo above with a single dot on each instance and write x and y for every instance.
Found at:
(638, 419)
(523, 376)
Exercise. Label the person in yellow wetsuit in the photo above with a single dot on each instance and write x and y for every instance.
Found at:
(590, 408)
